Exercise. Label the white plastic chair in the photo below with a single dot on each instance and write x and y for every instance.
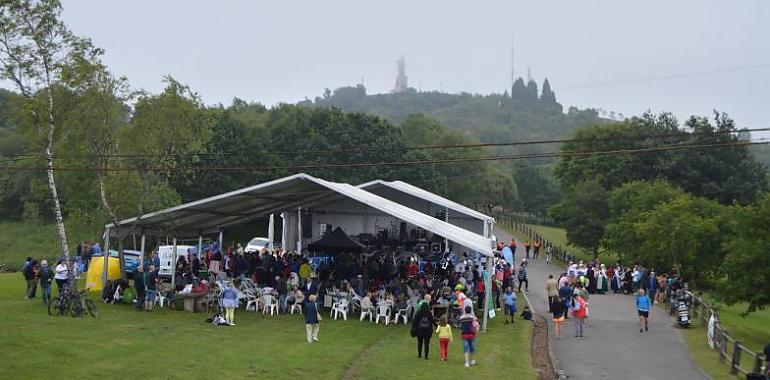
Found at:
(402, 314)
(341, 307)
(367, 312)
(271, 305)
(383, 311)
(355, 301)
(296, 306)
(251, 301)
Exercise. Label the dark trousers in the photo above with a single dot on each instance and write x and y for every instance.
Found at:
(423, 341)
(550, 304)
(31, 288)
(526, 282)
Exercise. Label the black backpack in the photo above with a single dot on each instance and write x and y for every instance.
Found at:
(45, 276)
(424, 324)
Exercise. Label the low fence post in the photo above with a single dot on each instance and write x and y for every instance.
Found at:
(703, 313)
(736, 361)
(722, 345)
(757, 362)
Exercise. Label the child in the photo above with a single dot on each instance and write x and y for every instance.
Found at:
(444, 332)
(312, 319)
(559, 310)
(230, 302)
(526, 314)
(510, 304)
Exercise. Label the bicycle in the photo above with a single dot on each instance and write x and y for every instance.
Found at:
(59, 305)
(79, 304)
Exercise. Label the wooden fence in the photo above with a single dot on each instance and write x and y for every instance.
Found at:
(741, 359)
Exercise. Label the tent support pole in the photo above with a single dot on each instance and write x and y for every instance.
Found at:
(487, 290)
(446, 240)
(299, 230)
(173, 265)
(141, 251)
(200, 247)
(221, 241)
(106, 256)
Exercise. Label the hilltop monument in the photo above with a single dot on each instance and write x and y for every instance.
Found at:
(401, 80)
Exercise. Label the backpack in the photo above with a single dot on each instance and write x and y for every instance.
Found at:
(467, 329)
(424, 324)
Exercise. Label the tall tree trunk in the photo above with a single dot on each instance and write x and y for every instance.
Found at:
(59, 219)
(114, 219)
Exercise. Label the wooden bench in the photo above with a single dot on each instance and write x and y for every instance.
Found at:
(193, 302)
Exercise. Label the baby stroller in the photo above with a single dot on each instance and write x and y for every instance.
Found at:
(683, 315)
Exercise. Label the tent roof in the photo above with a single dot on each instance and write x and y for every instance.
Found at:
(336, 241)
(209, 215)
(426, 195)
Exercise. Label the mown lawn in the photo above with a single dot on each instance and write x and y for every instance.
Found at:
(21, 239)
(169, 344)
(559, 236)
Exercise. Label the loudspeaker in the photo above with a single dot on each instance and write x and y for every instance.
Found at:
(402, 231)
(307, 226)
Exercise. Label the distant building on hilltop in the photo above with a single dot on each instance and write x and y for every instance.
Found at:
(401, 80)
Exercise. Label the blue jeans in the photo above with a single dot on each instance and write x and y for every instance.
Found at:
(282, 304)
(46, 293)
(469, 346)
(579, 326)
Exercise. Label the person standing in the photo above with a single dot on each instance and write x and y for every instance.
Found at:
(469, 326)
(510, 304)
(30, 278)
(422, 328)
(139, 286)
(150, 288)
(526, 249)
(552, 290)
(312, 319)
(229, 301)
(45, 276)
(537, 249)
(652, 286)
(60, 275)
(548, 253)
(643, 309)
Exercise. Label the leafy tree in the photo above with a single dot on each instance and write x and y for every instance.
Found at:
(35, 48)
(748, 257)
(584, 212)
(537, 187)
(628, 205)
(547, 95)
(683, 233)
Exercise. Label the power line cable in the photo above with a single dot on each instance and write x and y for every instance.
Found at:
(416, 147)
(414, 162)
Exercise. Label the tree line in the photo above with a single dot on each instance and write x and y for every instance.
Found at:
(108, 151)
(698, 212)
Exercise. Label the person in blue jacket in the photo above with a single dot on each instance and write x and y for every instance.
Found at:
(312, 319)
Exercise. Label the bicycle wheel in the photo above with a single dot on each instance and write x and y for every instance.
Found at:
(91, 307)
(76, 308)
(54, 307)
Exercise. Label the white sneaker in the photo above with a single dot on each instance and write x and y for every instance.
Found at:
(315, 339)
(473, 362)
(467, 364)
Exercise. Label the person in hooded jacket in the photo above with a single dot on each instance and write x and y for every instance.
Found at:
(422, 328)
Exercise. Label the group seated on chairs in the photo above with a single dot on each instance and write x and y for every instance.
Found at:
(383, 288)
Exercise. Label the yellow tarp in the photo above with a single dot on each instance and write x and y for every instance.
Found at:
(95, 269)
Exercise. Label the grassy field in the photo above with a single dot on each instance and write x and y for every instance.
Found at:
(177, 345)
(559, 236)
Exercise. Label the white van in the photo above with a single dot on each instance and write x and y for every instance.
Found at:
(168, 259)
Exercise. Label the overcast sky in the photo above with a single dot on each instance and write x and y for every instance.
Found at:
(284, 51)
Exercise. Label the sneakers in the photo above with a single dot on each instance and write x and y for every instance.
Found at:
(467, 364)
(641, 331)
(315, 339)
(473, 362)
(646, 329)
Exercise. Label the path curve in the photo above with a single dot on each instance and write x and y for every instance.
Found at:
(613, 347)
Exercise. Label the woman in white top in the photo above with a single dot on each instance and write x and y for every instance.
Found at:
(61, 276)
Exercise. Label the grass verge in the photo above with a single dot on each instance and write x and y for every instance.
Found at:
(178, 345)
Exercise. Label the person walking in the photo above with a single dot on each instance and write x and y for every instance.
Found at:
(552, 290)
(422, 329)
(469, 326)
(559, 310)
(45, 276)
(312, 319)
(31, 279)
(579, 312)
(510, 304)
(444, 331)
(522, 276)
(643, 309)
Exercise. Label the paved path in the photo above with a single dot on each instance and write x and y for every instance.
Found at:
(613, 347)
